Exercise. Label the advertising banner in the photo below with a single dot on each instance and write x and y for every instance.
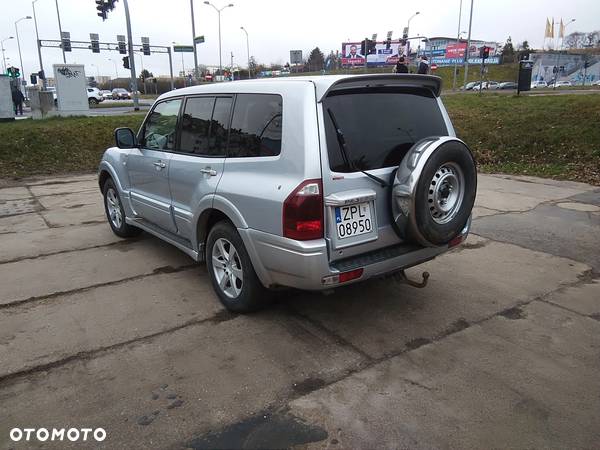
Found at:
(452, 61)
(456, 50)
(382, 55)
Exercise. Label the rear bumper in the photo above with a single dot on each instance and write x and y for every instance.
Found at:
(279, 261)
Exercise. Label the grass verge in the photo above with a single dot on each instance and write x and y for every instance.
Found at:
(548, 136)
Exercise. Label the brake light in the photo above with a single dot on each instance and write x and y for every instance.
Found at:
(303, 212)
(343, 277)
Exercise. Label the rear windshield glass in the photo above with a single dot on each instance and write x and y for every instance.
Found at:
(379, 125)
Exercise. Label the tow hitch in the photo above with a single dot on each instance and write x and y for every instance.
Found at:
(401, 278)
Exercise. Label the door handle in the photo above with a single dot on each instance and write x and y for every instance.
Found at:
(209, 171)
(160, 164)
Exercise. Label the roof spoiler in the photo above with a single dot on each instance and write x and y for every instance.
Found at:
(431, 82)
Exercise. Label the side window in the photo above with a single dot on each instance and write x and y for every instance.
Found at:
(160, 128)
(256, 126)
(195, 125)
(219, 127)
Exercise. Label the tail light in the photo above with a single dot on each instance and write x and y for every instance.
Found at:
(303, 212)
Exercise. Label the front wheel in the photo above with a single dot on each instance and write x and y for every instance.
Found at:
(92, 101)
(115, 212)
(231, 272)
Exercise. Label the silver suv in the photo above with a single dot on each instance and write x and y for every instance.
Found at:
(310, 183)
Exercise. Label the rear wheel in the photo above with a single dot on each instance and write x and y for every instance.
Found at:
(92, 101)
(115, 212)
(231, 272)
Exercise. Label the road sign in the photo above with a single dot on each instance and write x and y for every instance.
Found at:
(199, 39)
(295, 56)
(389, 34)
(183, 49)
(434, 67)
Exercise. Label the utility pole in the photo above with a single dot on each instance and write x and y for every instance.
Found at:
(457, 43)
(193, 43)
(39, 47)
(23, 75)
(60, 31)
(136, 100)
(171, 68)
(468, 44)
(248, 50)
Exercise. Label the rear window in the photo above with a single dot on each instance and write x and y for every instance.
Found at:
(379, 125)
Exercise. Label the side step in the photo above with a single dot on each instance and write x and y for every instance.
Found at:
(181, 243)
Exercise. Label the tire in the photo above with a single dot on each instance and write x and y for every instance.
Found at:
(445, 193)
(113, 207)
(231, 273)
(92, 101)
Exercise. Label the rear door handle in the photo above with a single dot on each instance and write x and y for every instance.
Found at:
(209, 171)
(160, 164)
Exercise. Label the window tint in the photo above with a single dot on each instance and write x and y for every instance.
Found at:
(219, 127)
(256, 125)
(380, 125)
(161, 125)
(195, 125)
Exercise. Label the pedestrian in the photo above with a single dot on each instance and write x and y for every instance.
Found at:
(401, 66)
(423, 66)
(17, 98)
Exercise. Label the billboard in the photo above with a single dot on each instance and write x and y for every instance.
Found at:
(456, 50)
(382, 55)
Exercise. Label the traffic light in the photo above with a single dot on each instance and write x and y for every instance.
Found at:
(122, 48)
(66, 41)
(41, 75)
(33, 79)
(101, 9)
(363, 47)
(484, 52)
(94, 38)
(388, 44)
(371, 47)
(146, 46)
(13, 72)
(126, 62)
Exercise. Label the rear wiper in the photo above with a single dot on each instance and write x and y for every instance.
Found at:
(344, 151)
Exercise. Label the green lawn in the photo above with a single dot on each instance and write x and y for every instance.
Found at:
(548, 136)
(551, 136)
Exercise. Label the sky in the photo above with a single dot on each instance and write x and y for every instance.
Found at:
(274, 27)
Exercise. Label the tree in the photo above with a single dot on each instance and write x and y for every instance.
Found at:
(144, 74)
(316, 60)
(508, 51)
(577, 39)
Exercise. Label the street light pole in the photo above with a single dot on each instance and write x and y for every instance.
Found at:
(60, 31)
(248, 50)
(468, 45)
(193, 43)
(457, 42)
(136, 100)
(219, 14)
(20, 57)
(559, 50)
(3, 57)
(411, 18)
(39, 47)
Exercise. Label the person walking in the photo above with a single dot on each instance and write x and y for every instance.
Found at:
(401, 66)
(17, 98)
(423, 66)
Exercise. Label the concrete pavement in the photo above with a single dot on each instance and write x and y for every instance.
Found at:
(501, 349)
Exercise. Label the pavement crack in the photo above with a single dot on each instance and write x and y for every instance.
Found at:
(94, 353)
(60, 252)
(53, 295)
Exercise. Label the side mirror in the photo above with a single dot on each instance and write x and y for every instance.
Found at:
(125, 138)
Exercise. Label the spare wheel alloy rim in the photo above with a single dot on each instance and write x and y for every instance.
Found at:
(446, 193)
(227, 268)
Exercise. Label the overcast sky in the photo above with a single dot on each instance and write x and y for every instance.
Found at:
(275, 26)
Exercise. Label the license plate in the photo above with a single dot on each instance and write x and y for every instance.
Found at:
(353, 220)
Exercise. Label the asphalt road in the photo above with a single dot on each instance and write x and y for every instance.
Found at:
(501, 349)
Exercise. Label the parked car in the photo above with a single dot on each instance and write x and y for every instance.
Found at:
(94, 96)
(538, 84)
(106, 94)
(121, 94)
(469, 86)
(596, 83)
(507, 85)
(563, 84)
(270, 183)
(484, 85)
